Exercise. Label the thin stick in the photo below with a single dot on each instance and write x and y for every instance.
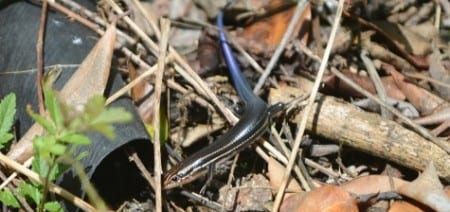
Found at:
(309, 107)
(14, 174)
(203, 200)
(381, 92)
(287, 35)
(130, 85)
(165, 28)
(132, 156)
(40, 57)
(429, 79)
(149, 17)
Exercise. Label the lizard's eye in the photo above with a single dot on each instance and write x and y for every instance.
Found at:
(173, 179)
(176, 178)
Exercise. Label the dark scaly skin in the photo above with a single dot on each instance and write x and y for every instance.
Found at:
(251, 125)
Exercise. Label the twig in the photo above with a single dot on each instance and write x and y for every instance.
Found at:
(92, 16)
(40, 57)
(165, 28)
(132, 156)
(309, 106)
(287, 35)
(437, 16)
(381, 92)
(322, 169)
(14, 174)
(426, 78)
(148, 16)
(131, 84)
(204, 201)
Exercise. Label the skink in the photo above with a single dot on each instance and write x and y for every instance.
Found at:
(250, 126)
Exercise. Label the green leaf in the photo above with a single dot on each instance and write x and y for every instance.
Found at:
(94, 106)
(111, 116)
(105, 129)
(5, 138)
(31, 191)
(76, 124)
(48, 125)
(42, 146)
(57, 149)
(53, 206)
(74, 138)
(41, 167)
(7, 112)
(163, 126)
(36, 164)
(103, 122)
(53, 107)
(7, 198)
(82, 155)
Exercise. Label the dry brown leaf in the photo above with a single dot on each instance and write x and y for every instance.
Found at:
(139, 91)
(268, 32)
(378, 51)
(428, 190)
(372, 184)
(325, 198)
(423, 100)
(207, 54)
(276, 173)
(139, 95)
(335, 85)
(88, 80)
(406, 38)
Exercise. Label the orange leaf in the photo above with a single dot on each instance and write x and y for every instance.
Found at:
(269, 31)
(326, 198)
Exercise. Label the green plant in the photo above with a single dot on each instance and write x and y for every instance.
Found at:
(53, 152)
(7, 113)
